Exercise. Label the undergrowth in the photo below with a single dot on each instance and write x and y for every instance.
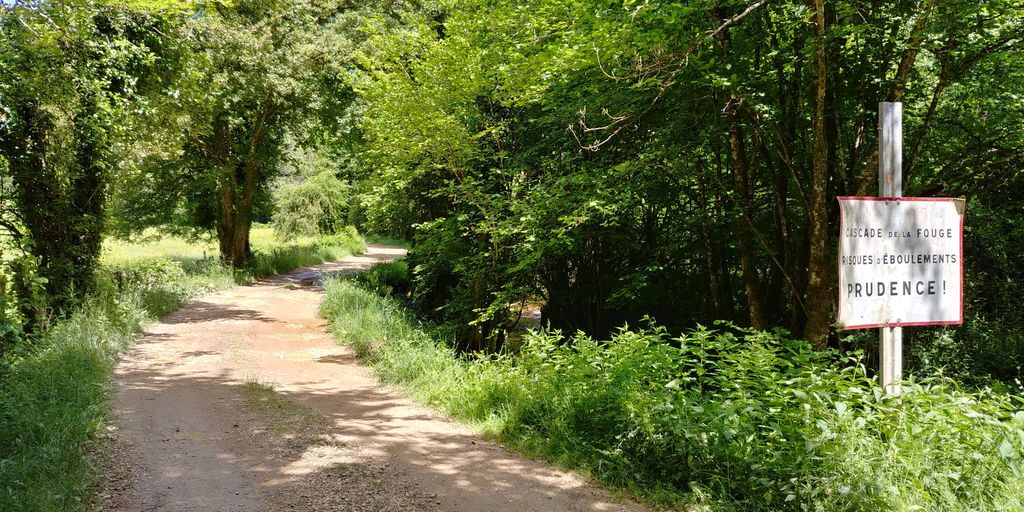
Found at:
(718, 420)
(378, 239)
(53, 387)
(284, 259)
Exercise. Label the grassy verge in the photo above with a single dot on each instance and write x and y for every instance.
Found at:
(53, 390)
(284, 259)
(723, 421)
(270, 257)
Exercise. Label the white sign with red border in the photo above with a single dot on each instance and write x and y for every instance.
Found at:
(900, 261)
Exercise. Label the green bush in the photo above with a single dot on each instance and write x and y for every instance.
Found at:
(280, 259)
(346, 238)
(161, 285)
(718, 420)
(390, 279)
(283, 259)
(386, 240)
(314, 207)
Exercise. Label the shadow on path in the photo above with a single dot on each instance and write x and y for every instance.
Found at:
(196, 441)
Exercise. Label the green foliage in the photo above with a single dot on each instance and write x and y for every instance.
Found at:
(388, 279)
(379, 239)
(52, 401)
(22, 297)
(271, 255)
(159, 286)
(257, 73)
(347, 239)
(657, 159)
(711, 419)
(316, 206)
(367, 321)
(53, 390)
(989, 348)
(283, 259)
(70, 78)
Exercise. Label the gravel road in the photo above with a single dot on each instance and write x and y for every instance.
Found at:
(241, 401)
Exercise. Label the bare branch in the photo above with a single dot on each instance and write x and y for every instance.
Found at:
(665, 84)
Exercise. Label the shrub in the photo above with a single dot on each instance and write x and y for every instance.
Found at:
(283, 258)
(718, 419)
(161, 285)
(314, 207)
(347, 239)
(391, 279)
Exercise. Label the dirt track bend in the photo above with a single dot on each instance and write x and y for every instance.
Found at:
(241, 401)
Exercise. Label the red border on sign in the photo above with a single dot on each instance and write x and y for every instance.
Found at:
(839, 265)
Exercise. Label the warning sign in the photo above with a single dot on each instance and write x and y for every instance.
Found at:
(900, 261)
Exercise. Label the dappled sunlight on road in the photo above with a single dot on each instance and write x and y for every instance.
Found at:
(242, 401)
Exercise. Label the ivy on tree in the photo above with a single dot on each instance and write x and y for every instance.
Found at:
(70, 79)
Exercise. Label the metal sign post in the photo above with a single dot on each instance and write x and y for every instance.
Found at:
(890, 184)
(900, 258)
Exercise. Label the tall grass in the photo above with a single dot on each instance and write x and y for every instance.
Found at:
(153, 245)
(199, 260)
(283, 258)
(724, 420)
(53, 402)
(271, 256)
(53, 389)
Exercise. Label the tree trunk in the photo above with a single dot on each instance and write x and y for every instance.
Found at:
(235, 219)
(710, 255)
(741, 180)
(818, 296)
(868, 174)
(226, 217)
(237, 191)
(944, 78)
(240, 243)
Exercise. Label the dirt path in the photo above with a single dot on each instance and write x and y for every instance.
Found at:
(241, 401)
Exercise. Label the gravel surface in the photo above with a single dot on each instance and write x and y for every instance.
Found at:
(241, 401)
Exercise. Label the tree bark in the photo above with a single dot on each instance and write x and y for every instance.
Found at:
(237, 186)
(235, 219)
(741, 180)
(710, 255)
(226, 217)
(818, 296)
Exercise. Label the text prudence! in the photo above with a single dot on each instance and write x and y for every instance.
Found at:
(895, 288)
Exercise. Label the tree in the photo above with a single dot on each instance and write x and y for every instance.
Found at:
(628, 161)
(71, 75)
(316, 206)
(258, 70)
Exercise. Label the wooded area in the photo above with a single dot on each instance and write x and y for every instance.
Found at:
(673, 165)
(678, 162)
